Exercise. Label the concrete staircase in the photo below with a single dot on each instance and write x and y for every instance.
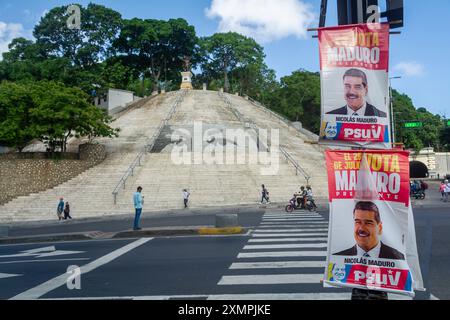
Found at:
(90, 194)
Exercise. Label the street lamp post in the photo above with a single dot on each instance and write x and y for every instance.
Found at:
(392, 110)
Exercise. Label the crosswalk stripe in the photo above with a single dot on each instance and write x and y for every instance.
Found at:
(294, 219)
(278, 264)
(285, 246)
(270, 279)
(288, 240)
(282, 296)
(289, 230)
(289, 234)
(289, 226)
(293, 216)
(282, 254)
(295, 223)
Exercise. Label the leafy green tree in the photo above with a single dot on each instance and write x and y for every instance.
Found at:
(222, 53)
(63, 112)
(156, 48)
(415, 138)
(16, 107)
(85, 46)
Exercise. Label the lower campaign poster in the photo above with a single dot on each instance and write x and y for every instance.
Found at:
(371, 242)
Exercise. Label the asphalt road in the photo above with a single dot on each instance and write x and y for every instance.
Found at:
(211, 267)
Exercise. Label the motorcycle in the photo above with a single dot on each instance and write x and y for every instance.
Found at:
(293, 206)
(418, 195)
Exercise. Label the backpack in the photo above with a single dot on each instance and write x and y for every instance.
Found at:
(424, 185)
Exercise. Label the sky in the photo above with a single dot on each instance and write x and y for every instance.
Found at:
(420, 54)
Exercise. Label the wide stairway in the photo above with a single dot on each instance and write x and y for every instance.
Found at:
(186, 154)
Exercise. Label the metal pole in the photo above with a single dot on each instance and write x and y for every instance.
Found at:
(392, 114)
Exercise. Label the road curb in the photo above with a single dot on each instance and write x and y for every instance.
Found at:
(97, 235)
(218, 231)
(49, 238)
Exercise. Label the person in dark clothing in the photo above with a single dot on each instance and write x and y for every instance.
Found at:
(67, 211)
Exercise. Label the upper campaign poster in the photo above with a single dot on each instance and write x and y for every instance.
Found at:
(354, 63)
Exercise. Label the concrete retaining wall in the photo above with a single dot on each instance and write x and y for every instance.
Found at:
(23, 174)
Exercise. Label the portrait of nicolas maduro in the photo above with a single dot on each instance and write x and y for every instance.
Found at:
(367, 232)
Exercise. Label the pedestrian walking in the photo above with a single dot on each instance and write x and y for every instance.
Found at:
(60, 209)
(264, 194)
(138, 200)
(67, 211)
(186, 195)
(442, 190)
(447, 190)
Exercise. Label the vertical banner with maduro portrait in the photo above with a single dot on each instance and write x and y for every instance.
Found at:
(354, 63)
(371, 240)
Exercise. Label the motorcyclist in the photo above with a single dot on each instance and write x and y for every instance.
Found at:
(301, 197)
(310, 197)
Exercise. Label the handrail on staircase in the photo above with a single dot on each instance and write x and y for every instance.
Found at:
(297, 167)
(148, 145)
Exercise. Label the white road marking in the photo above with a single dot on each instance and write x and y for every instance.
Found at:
(278, 264)
(289, 240)
(44, 260)
(41, 253)
(294, 219)
(292, 216)
(288, 230)
(46, 287)
(7, 275)
(306, 224)
(282, 254)
(289, 234)
(244, 296)
(285, 246)
(271, 279)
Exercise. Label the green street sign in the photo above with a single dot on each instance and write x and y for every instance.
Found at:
(416, 124)
(448, 123)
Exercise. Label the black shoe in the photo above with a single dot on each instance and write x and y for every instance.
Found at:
(136, 229)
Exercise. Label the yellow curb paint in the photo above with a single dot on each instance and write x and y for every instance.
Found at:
(212, 231)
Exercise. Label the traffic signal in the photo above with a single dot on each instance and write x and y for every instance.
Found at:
(355, 11)
(394, 13)
(414, 124)
(448, 123)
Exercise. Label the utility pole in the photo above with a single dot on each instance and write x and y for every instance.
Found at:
(392, 110)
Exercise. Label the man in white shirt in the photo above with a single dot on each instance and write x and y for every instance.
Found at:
(356, 90)
(186, 195)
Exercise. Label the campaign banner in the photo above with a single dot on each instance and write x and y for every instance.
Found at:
(371, 239)
(354, 64)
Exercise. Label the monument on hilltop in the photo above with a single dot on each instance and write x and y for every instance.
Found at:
(186, 75)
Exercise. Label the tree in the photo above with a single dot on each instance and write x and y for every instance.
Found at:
(50, 112)
(298, 98)
(85, 46)
(224, 52)
(155, 48)
(63, 112)
(415, 138)
(16, 107)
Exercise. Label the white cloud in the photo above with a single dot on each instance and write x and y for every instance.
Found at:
(410, 68)
(9, 31)
(263, 20)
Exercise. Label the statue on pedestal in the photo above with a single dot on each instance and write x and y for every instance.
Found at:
(186, 80)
